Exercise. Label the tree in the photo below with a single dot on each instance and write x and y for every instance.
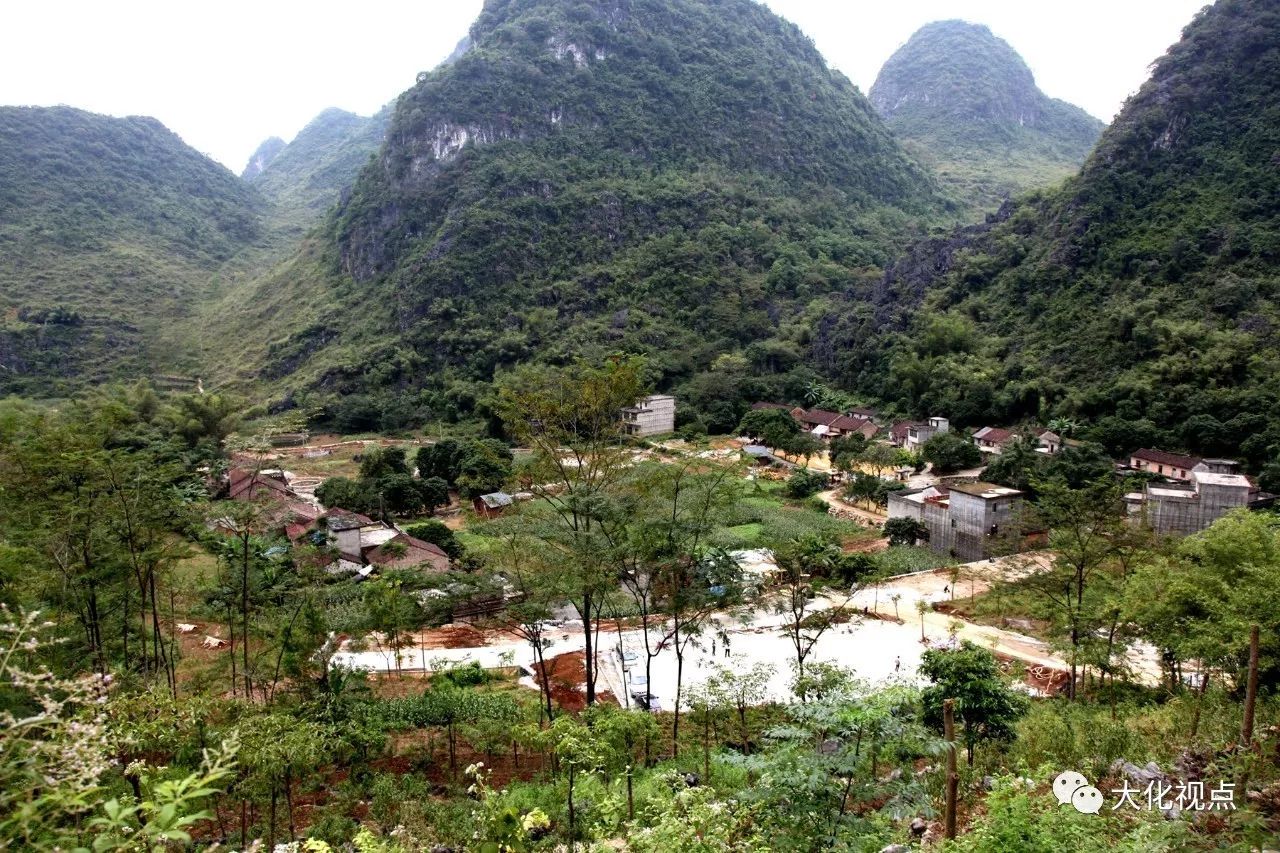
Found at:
(571, 419)
(345, 493)
(433, 492)
(625, 732)
(579, 749)
(377, 462)
(1017, 465)
(802, 483)
(440, 460)
(741, 690)
(391, 612)
(1092, 543)
(802, 619)
(484, 466)
(771, 427)
(986, 706)
(878, 457)
(845, 450)
(1078, 465)
(905, 531)
(949, 451)
(437, 533)
(676, 568)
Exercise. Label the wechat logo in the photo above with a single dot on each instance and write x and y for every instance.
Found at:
(1072, 787)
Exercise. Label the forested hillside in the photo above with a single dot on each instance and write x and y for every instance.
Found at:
(304, 178)
(1140, 295)
(967, 102)
(678, 178)
(110, 229)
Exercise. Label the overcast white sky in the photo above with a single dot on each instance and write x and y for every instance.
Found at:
(227, 75)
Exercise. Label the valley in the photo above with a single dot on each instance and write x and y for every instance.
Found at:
(634, 436)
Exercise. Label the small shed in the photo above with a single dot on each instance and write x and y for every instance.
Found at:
(493, 504)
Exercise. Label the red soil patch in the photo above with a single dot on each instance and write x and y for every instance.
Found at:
(1046, 679)
(869, 546)
(456, 635)
(567, 676)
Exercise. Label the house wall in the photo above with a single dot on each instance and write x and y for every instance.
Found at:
(348, 542)
(1170, 514)
(937, 518)
(651, 416)
(975, 519)
(1171, 471)
(900, 507)
(1194, 511)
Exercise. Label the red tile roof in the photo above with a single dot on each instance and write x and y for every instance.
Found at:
(834, 420)
(416, 553)
(994, 435)
(1161, 457)
(248, 485)
(898, 431)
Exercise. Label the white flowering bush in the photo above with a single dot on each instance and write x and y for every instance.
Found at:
(56, 747)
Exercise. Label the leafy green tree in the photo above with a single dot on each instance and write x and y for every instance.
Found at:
(802, 483)
(571, 419)
(580, 750)
(441, 460)
(1094, 547)
(949, 451)
(354, 495)
(484, 466)
(377, 462)
(1017, 466)
(986, 707)
(625, 732)
(392, 612)
(771, 427)
(1079, 465)
(845, 450)
(437, 533)
(905, 531)
(805, 620)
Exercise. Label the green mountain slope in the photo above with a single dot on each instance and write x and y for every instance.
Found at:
(967, 102)
(110, 229)
(304, 178)
(1141, 295)
(676, 177)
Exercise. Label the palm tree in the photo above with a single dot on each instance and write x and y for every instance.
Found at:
(1064, 427)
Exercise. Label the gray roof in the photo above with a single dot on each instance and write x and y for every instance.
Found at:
(757, 450)
(493, 500)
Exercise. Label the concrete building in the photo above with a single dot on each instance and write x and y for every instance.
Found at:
(1181, 509)
(653, 415)
(918, 434)
(969, 521)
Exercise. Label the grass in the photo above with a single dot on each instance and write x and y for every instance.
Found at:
(904, 559)
(764, 517)
(475, 543)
